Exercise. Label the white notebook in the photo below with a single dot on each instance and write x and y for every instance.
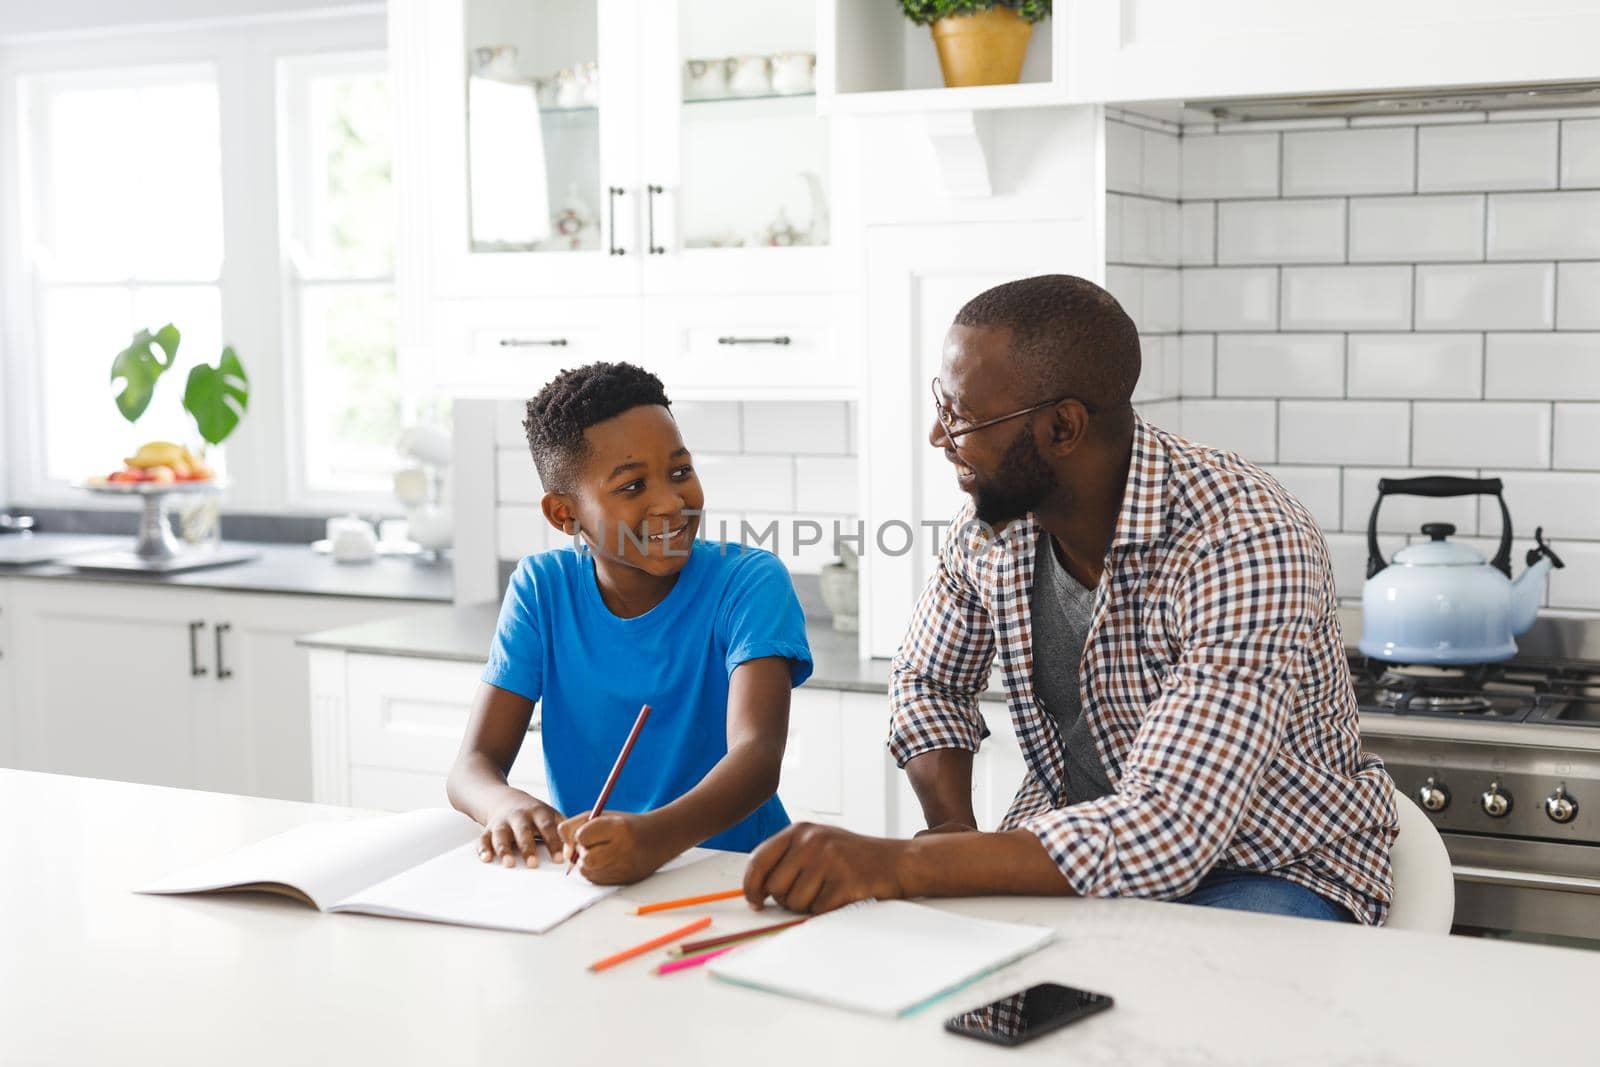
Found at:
(417, 865)
(882, 956)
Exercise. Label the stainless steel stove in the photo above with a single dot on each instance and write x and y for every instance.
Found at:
(1505, 759)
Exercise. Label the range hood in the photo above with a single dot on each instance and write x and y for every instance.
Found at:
(1404, 102)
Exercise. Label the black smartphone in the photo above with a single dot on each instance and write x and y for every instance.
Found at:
(1026, 1015)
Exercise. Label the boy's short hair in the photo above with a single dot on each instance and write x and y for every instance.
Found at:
(575, 400)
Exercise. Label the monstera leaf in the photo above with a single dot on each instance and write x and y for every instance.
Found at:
(139, 365)
(217, 396)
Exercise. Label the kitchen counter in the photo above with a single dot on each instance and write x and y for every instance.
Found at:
(464, 634)
(290, 569)
(97, 974)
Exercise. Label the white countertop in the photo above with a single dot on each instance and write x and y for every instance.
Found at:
(92, 973)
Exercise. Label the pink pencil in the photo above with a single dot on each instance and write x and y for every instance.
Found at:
(692, 961)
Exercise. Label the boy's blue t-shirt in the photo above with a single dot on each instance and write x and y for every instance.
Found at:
(557, 643)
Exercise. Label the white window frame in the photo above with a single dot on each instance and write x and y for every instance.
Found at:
(293, 75)
(244, 52)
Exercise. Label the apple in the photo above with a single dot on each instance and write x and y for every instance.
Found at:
(161, 473)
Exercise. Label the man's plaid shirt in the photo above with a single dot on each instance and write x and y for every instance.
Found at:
(1214, 680)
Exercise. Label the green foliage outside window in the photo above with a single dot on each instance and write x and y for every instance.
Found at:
(923, 12)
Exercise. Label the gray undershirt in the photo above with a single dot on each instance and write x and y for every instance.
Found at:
(1062, 610)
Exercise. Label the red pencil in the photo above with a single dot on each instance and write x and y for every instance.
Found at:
(616, 772)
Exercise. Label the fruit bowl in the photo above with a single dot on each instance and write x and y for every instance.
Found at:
(151, 487)
(158, 463)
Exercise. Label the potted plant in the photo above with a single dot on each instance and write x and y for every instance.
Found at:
(216, 397)
(980, 42)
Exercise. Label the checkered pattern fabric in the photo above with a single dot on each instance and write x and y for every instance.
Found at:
(1214, 680)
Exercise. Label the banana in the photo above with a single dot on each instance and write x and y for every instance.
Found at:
(159, 454)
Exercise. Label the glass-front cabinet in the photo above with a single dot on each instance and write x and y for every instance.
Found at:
(735, 158)
(617, 147)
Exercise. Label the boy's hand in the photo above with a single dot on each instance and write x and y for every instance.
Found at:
(515, 829)
(615, 848)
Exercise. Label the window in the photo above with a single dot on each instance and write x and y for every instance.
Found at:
(233, 178)
(122, 215)
(335, 121)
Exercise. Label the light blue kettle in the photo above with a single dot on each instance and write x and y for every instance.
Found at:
(1439, 601)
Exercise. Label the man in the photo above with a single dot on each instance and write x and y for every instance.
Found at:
(1167, 633)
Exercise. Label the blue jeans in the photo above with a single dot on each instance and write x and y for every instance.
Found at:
(1249, 891)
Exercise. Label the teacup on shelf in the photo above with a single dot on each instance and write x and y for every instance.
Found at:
(569, 93)
(794, 73)
(589, 85)
(749, 76)
(705, 79)
(495, 61)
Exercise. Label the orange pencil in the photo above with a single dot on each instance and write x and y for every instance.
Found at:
(616, 772)
(653, 943)
(687, 902)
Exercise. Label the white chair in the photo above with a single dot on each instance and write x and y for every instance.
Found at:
(1424, 886)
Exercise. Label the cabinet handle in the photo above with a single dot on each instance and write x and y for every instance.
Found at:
(533, 342)
(781, 339)
(650, 214)
(612, 192)
(195, 670)
(220, 629)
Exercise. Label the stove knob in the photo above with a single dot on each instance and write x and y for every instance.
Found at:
(1560, 806)
(1496, 805)
(1433, 796)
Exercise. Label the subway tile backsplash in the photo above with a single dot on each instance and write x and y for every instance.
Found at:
(1383, 298)
(1486, 296)
(1349, 162)
(1346, 298)
(1410, 229)
(1492, 156)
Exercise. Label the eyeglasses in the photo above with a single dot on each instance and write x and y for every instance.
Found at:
(948, 418)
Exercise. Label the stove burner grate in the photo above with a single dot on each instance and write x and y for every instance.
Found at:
(1407, 697)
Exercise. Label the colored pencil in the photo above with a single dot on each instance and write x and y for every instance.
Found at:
(690, 948)
(653, 943)
(616, 772)
(687, 902)
(692, 961)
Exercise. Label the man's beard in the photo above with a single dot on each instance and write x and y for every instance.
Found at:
(1022, 479)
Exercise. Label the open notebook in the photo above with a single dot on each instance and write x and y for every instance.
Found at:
(418, 865)
(882, 956)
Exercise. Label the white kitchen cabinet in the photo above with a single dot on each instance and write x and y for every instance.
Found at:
(8, 706)
(489, 347)
(876, 61)
(108, 681)
(796, 347)
(1131, 50)
(403, 720)
(918, 278)
(183, 687)
(562, 148)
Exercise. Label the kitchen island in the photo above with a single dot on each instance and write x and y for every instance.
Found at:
(93, 973)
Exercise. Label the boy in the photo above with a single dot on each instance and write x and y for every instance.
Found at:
(710, 635)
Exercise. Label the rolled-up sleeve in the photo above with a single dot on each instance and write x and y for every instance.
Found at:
(944, 662)
(1212, 732)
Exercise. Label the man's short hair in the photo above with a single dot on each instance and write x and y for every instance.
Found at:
(1069, 336)
(575, 400)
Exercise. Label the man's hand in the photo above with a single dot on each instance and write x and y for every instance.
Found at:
(952, 827)
(615, 847)
(810, 868)
(516, 827)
